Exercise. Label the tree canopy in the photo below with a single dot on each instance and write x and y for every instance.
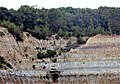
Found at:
(68, 21)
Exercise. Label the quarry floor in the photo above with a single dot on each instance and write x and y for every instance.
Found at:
(89, 65)
(74, 79)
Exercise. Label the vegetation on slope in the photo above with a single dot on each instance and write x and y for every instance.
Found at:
(47, 54)
(63, 21)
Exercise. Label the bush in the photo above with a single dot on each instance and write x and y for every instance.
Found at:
(48, 54)
(19, 61)
(2, 60)
(80, 40)
(9, 65)
(43, 48)
(26, 55)
(13, 29)
(38, 48)
(1, 66)
(51, 53)
(41, 55)
(32, 59)
(33, 66)
(44, 67)
(4, 23)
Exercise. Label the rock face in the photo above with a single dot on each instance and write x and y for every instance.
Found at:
(20, 54)
(9, 48)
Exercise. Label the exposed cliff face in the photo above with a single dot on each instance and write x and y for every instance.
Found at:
(20, 54)
(9, 48)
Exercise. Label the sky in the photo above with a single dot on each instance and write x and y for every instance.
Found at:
(15, 4)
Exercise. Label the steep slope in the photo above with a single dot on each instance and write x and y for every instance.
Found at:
(9, 48)
(19, 54)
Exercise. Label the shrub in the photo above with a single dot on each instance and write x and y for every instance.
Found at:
(2, 60)
(48, 54)
(40, 55)
(37, 48)
(51, 53)
(26, 55)
(33, 66)
(43, 48)
(44, 67)
(1, 66)
(13, 29)
(19, 61)
(9, 65)
(80, 40)
(32, 59)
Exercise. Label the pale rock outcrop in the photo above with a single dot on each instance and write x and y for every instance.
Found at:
(103, 40)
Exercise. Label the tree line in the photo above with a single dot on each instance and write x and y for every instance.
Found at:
(65, 22)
